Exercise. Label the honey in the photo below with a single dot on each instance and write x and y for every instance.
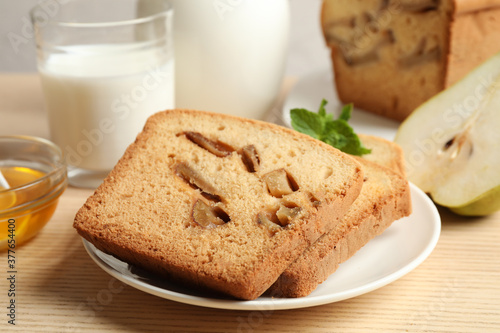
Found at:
(27, 202)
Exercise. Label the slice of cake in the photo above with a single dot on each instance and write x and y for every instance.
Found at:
(390, 56)
(219, 202)
(385, 197)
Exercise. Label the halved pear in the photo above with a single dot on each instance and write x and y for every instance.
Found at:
(452, 143)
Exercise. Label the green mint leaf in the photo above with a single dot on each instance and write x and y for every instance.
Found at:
(307, 122)
(321, 125)
(346, 112)
(349, 141)
(322, 110)
(338, 132)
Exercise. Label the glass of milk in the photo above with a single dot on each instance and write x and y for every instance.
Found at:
(105, 67)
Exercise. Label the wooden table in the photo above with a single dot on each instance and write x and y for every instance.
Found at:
(60, 289)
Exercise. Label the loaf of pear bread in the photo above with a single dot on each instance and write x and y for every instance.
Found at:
(385, 197)
(219, 202)
(390, 56)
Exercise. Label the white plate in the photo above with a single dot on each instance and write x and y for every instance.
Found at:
(311, 89)
(386, 258)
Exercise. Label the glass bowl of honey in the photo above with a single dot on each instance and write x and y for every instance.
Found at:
(32, 178)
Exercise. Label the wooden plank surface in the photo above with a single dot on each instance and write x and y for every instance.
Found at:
(60, 289)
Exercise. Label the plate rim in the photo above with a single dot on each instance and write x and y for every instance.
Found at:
(284, 303)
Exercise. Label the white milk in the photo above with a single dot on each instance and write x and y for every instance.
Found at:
(99, 97)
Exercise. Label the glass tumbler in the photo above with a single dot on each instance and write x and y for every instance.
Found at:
(105, 67)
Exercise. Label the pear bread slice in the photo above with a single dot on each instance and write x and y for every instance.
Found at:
(219, 202)
(385, 197)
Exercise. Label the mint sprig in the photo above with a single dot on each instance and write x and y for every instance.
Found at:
(335, 132)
